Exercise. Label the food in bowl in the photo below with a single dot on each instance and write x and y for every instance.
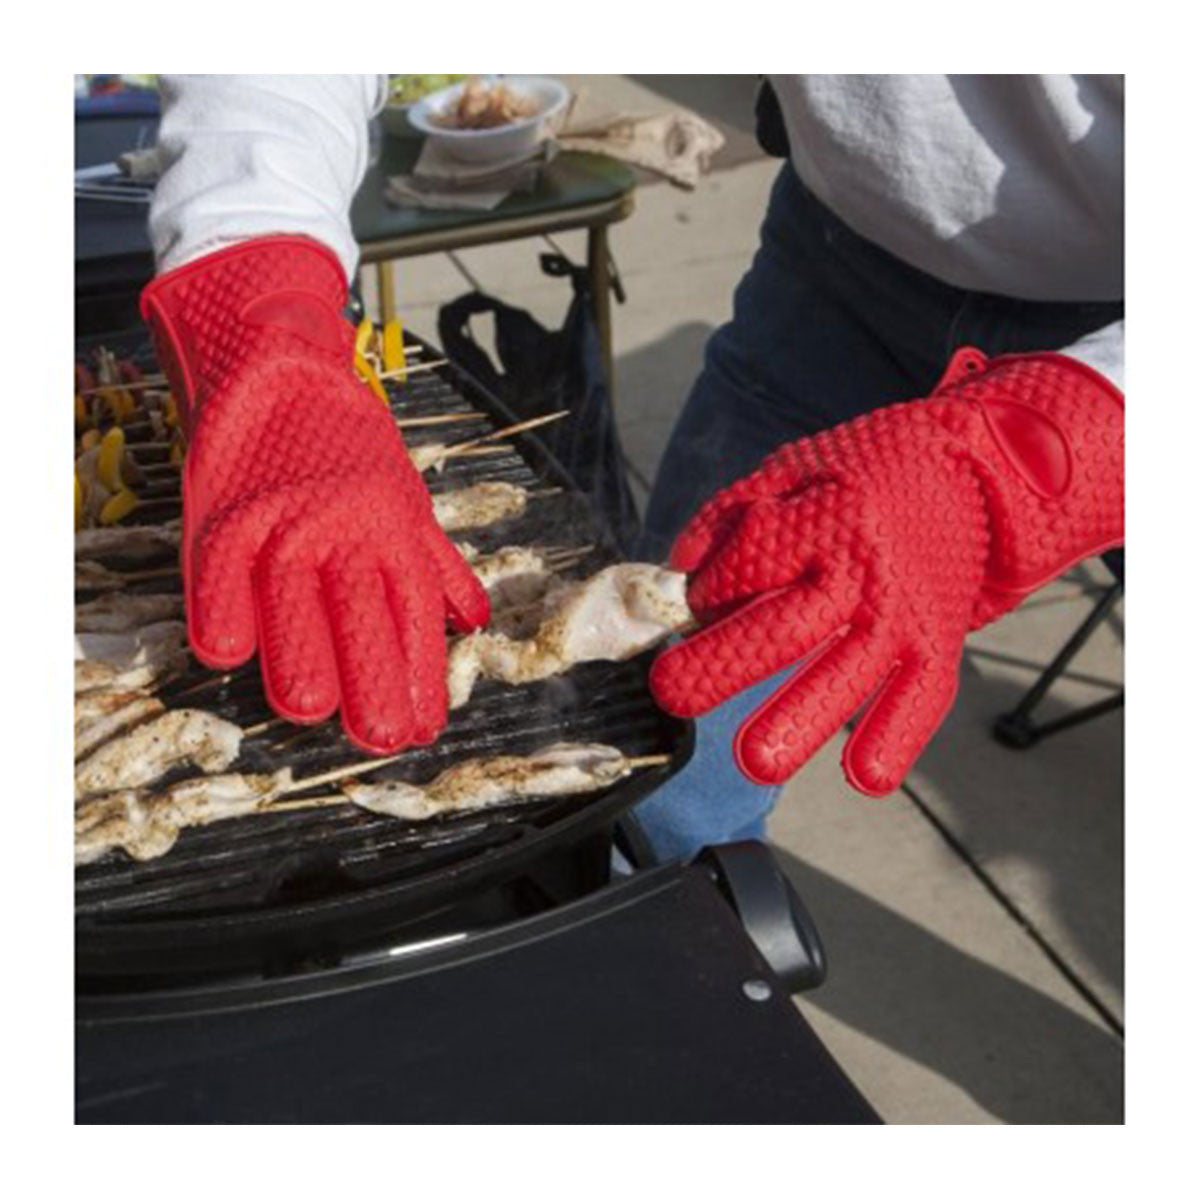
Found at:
(483, 105)
(408, 89)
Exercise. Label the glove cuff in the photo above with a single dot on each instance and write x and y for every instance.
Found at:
(208, 314)
(1046, 436)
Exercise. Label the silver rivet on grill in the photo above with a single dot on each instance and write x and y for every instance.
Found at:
(757, 989)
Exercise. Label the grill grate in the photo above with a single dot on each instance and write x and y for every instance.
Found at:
(286, 867)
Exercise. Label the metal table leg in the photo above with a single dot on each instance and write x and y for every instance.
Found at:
(385, 277)
(1017, 729)
(601, 280)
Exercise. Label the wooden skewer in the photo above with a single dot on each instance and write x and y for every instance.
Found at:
(441, 419)
(329, 800)
(355, 768)
(415, 369)
(508, 430)
(204, 684)
(469, 450)
(262, 727)
(147, 382)
(648, 760)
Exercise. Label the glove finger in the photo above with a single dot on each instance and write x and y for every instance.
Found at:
(377, 710)
(777, 740)
(720, 515)
(750, 645)
(899, 724)
(296, 656)
(771, 548)
(706, 531)
(466, 600)
(418, 614)
(218, 562)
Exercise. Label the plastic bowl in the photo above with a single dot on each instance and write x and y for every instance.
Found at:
(504, 142)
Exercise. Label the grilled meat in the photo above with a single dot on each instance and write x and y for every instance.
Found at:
(155, 646)
(126, 613)
(147, 826)
(148, 752)
(482, 504)
(617, 613)
(102, 715)
(564, 769)
(137, 543)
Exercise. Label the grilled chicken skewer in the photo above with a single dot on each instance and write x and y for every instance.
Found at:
(96, 577)
(136, 543)
(97, 676)
(102, 715)
(563, 769)
(117, 613)
(146, 825)
(133, 648)
(479, 505)
(131, 660)
(150, 750)
(616, 614)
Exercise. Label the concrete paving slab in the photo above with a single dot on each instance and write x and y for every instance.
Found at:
(1047, 823)
(938, 1004)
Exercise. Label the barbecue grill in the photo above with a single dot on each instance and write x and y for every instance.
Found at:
(290, 949)
(276, 891)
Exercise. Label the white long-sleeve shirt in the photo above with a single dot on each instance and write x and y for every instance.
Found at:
(248, 155)
(1005, 183)
(1012, 184)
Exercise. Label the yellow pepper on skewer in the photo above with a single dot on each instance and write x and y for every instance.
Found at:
(393, 347)
(364, 337)
(369, 376)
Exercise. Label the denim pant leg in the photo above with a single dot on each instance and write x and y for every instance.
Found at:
(787, 365)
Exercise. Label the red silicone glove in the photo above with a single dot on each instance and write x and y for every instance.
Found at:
(871, 550)
(307, 532)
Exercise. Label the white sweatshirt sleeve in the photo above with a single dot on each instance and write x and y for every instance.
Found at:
(247, 155)
(1104, 351)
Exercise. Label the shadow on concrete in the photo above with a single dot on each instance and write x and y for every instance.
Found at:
(1022, 1056)
(652, 383)
(1055, 811)
(726, 101)
(651, 386)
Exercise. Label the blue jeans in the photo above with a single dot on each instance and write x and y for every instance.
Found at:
(826, 326)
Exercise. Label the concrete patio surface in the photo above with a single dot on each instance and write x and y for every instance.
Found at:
(974, 922)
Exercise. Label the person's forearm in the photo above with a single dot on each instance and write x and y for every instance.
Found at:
(248, 155)
(1103, 351)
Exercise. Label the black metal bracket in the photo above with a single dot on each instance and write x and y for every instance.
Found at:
(1017, 729)
(770, 910)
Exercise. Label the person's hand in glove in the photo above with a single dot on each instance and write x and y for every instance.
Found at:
(870, 551)
(308, 535)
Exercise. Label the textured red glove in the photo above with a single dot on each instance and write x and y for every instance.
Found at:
(307, 532)
(871, 550)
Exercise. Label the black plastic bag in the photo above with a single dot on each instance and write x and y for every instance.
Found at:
(542, 371)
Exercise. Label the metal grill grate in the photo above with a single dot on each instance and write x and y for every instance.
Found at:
(280, 871)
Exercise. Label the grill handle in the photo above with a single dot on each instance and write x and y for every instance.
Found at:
(771, 911)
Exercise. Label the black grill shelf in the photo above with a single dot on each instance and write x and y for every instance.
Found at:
(228, 892)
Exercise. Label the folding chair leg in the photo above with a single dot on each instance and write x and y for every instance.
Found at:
(1017, 729)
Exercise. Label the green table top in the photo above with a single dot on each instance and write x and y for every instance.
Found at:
(593, 188)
